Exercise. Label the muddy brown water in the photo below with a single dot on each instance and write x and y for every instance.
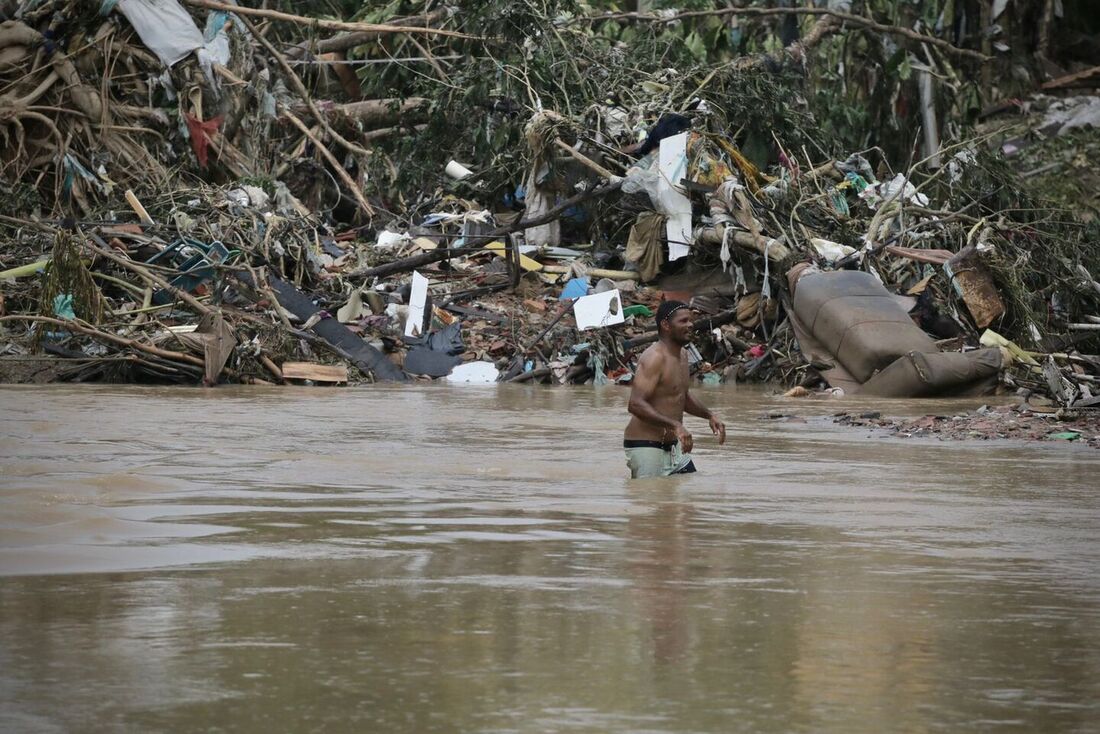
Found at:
(473, 559)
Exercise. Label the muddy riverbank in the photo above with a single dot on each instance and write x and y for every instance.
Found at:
(1012, 422)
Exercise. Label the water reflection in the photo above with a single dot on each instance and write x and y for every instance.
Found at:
(658, 549)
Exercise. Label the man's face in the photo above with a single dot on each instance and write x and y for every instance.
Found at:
(680, 326)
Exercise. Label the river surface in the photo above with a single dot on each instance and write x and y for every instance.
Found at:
(474, 559)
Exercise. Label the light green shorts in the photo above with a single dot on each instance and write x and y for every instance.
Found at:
(654, 459)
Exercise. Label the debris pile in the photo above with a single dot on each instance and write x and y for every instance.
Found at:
(212, 210)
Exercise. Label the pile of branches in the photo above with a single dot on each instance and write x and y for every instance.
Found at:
(347, 127)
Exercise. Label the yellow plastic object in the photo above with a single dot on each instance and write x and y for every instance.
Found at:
(25, 270)
(752, 175)
(531, 266)
(991, 338)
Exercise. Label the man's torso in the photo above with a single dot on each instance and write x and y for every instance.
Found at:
(668, 398)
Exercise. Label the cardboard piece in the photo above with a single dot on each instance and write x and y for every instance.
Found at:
(528, 264)
(353, 310)
(974, 284)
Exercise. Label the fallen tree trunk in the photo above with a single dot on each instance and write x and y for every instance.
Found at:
(775, 250)
(380, 112)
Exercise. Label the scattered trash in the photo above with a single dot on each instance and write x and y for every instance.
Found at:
(575, 288)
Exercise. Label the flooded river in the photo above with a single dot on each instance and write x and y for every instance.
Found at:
(446, 559)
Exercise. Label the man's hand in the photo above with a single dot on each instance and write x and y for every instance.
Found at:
(684, 437)
(718, 428)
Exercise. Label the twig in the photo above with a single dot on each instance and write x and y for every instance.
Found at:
(585, 160)
(431, 60)
(344, 41)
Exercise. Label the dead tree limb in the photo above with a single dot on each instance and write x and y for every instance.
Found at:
(850, 18)
(349, 182)
(350, 39)
(296, 82)
(329, 25)
(406, 264)
(89, 330)
(381, 112)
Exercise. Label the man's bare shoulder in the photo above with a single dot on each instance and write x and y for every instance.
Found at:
(654, 356)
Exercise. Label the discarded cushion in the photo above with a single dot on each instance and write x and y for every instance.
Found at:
(644, 247)
(854, 317)
(942, 374)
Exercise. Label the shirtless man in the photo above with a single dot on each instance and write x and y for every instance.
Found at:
(656, 442)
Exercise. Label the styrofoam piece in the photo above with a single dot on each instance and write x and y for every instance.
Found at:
(480, 373)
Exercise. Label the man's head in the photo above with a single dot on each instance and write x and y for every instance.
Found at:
(674, 321)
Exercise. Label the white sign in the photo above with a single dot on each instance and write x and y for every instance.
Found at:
(599, 309)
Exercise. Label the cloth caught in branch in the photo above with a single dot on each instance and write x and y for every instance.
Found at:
(644, 245)
(164, 26)
(200, 131)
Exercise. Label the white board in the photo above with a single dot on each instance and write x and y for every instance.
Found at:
(418, 298)
(599, 309)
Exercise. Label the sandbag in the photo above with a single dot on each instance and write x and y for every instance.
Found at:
(941, 374)
(861, 324)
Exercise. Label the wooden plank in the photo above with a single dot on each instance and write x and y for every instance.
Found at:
(528, 264)
(315, 372)
(594, 272)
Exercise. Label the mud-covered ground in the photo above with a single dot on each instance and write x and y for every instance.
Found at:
(1017, 422)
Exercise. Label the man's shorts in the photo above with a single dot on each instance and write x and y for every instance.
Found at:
(656, 459)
